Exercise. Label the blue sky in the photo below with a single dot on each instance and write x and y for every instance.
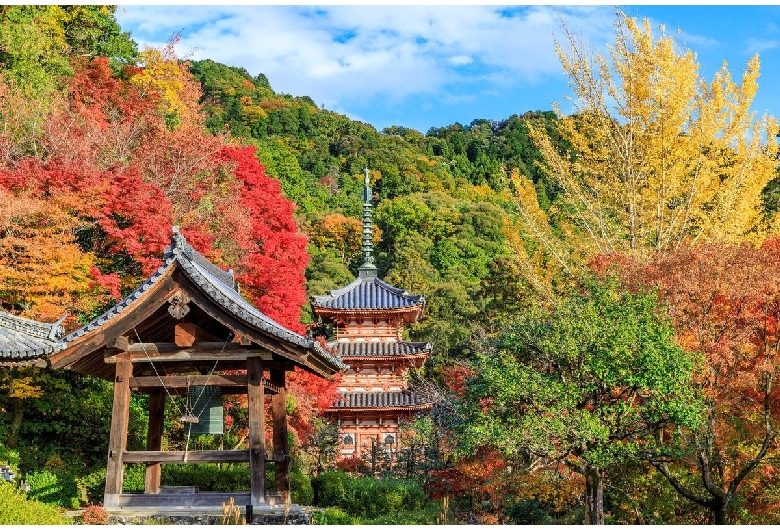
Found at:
(431, 66)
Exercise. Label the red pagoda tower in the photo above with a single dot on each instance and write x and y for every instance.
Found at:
(367, 316)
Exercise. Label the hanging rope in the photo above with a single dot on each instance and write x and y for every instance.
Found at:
(187, 415)
(189, 407)
(162, 383)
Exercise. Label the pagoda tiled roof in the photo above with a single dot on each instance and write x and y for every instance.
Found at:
(380, 348)
(23, 341)
(403, 399)
(366, 293)
(220, 286)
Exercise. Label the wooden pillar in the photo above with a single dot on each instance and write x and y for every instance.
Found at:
(120, 417)
(154, 439)
(256, 411)
(279, 413)
(357, 454)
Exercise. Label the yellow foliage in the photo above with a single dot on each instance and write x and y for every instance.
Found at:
(23, 388)
(251, 114)
(43, 272)
(483, 193)
(660, 156)
(275, 104)
(341, 233)
(169, 78)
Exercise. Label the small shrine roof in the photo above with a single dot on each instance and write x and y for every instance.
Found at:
(221, 287)
(218, 283)
(368, 293)
(403, 399)
(24, 341)
(380, 348)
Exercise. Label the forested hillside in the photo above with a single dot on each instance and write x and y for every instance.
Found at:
(447, 225)
(601, 287)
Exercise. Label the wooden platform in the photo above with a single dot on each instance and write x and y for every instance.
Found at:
(205, 501)
(207, 515)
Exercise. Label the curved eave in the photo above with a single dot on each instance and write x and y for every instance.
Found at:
(297, 348)
(375, 358)
(414, 312)
(24, 353)
(38, 362)
(25, 342)
(91, 337)
(424, 406)
(411, 307)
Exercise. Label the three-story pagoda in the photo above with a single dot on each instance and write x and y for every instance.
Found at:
(368, 316)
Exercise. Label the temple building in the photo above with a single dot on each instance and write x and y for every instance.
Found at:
(368, 316)
(185, 327)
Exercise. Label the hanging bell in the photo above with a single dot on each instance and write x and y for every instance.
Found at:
(206, 405)
(189, 418)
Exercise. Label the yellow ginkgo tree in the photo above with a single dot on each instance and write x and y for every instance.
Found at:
(658, 157)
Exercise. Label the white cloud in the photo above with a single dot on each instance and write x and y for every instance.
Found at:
(342, 53)
(697, 42)
(761, 45)
(460, 60)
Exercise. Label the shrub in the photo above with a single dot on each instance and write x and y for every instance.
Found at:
(529, 511)
(329, 488)
(333, 516)
(207, 477)
(370, 497)
(301, 491)
(93, 514)
(337, 516)
(54, 489)
(9, 457)
(15, 509)
(134, 478)
(428, 515)
(94, 485)
(353, 466)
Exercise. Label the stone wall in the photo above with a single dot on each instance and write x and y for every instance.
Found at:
(296, 516)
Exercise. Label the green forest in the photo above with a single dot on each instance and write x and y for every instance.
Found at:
(601, 287)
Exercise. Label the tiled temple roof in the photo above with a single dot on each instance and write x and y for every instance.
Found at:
(220, 286)
(23, 341)
(380, 348)
(380, 400)
(366, 293)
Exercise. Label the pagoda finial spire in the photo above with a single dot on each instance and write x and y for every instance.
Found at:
(367, 269)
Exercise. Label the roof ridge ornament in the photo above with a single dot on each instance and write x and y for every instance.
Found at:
(367, 269)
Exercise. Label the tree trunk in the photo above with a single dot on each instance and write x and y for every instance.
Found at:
(719, 513)
(594, 496)
(16, 423)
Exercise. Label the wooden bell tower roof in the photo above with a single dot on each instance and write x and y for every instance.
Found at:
(188, 295)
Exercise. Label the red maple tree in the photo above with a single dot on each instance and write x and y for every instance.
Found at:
(724, 301)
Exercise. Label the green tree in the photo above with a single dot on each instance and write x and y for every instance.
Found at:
(584, 386)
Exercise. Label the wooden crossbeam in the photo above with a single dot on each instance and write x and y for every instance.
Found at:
(194, 457)
(183, 381)
(142, 352)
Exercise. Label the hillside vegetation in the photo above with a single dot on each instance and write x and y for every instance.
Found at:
(601, 287)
